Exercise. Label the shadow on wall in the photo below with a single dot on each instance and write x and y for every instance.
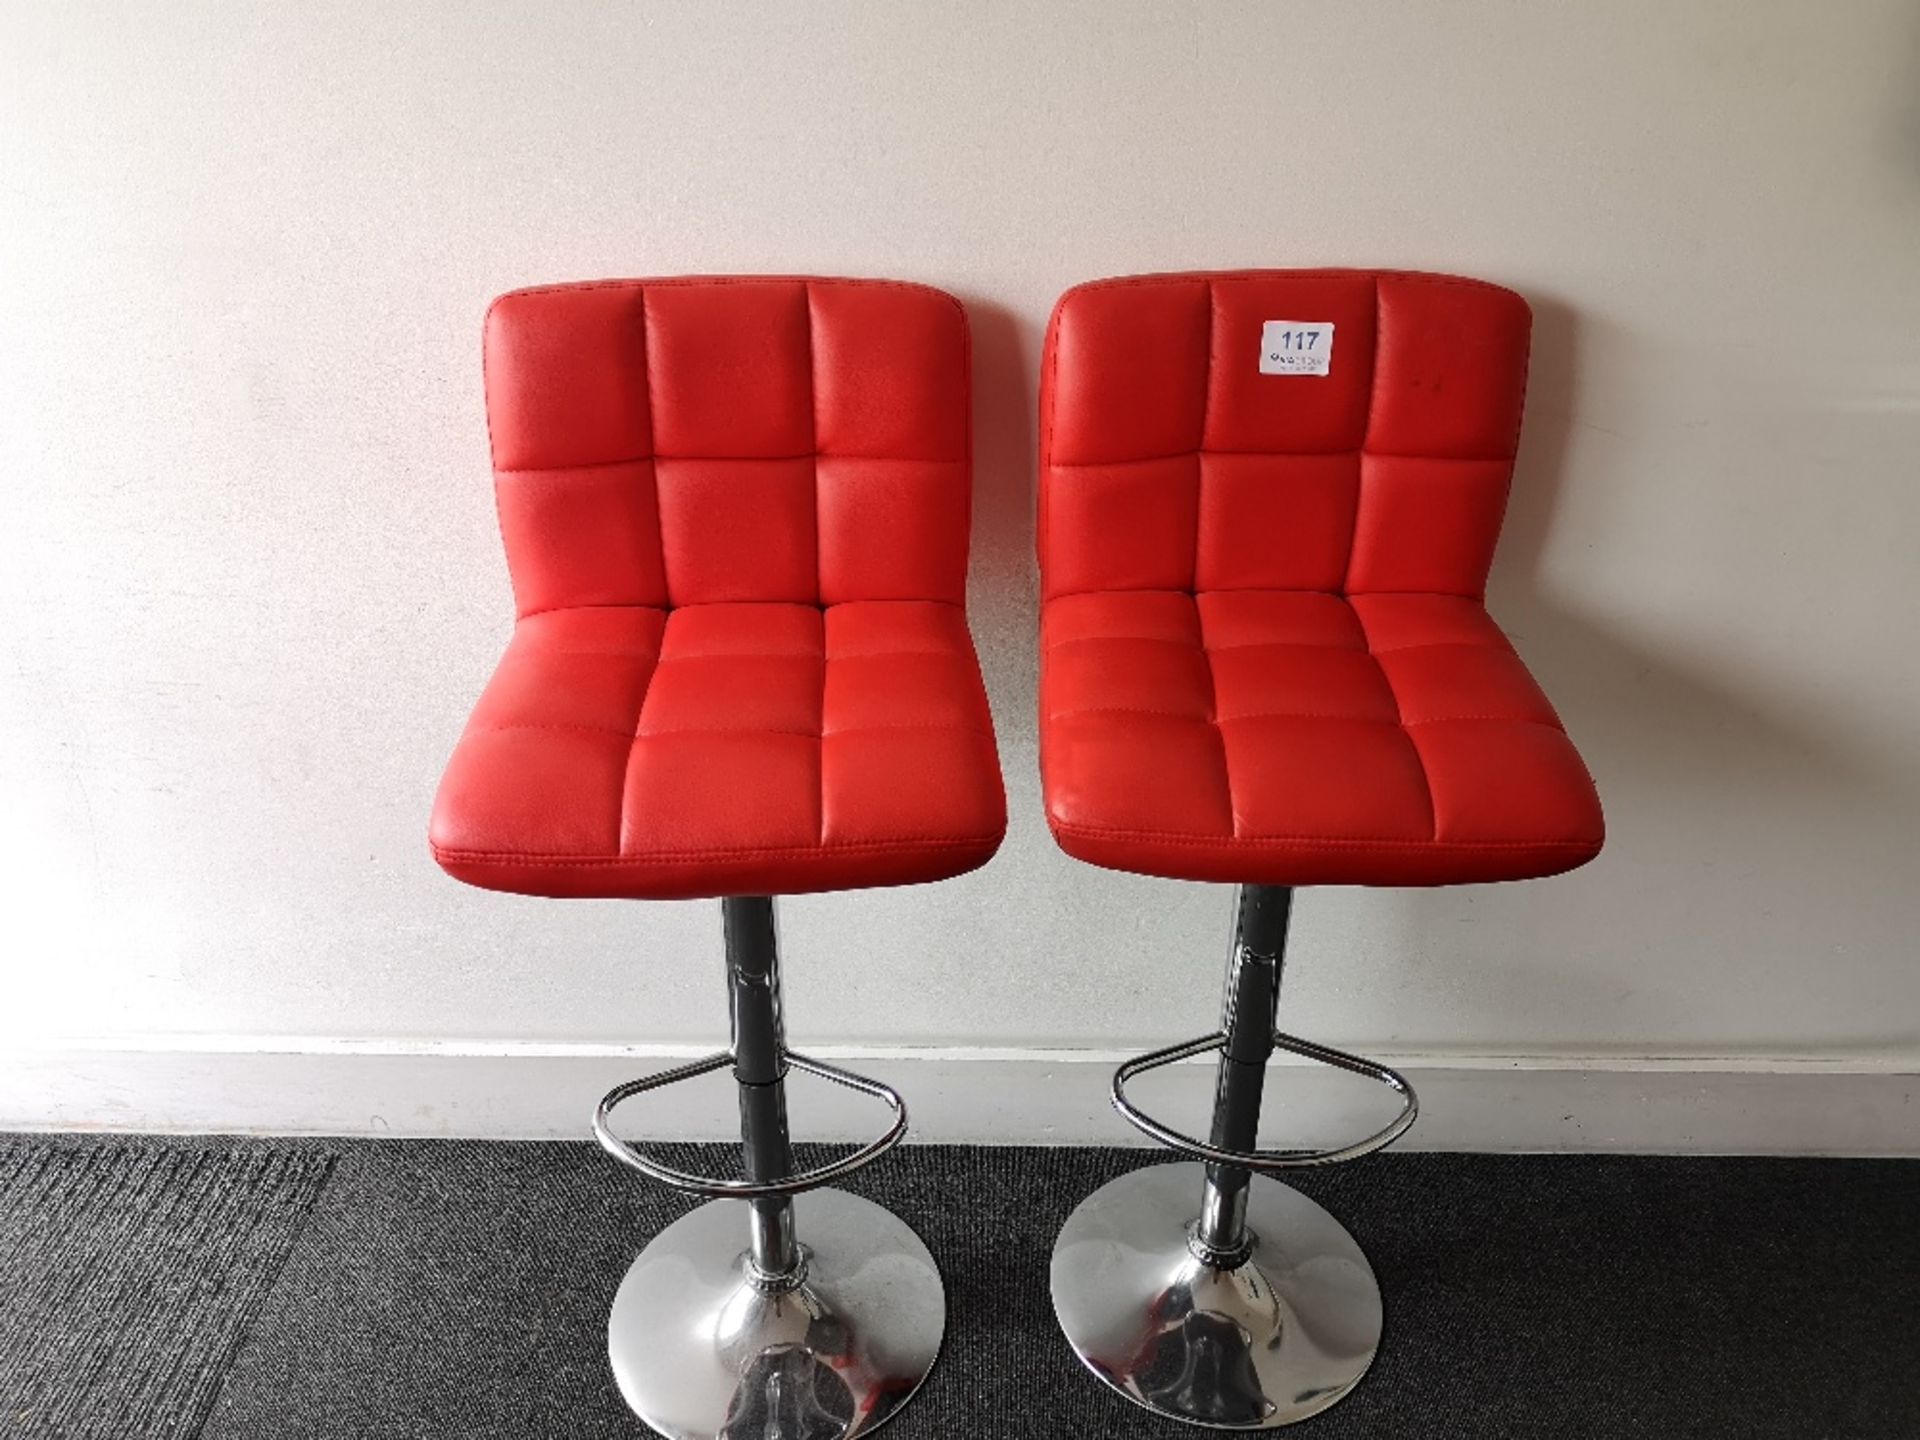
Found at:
(1719, 804)
(1004, 592)
(1905, 136)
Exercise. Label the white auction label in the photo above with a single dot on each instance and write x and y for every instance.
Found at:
(1296, 347)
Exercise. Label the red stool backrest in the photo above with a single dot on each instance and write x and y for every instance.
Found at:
(685, 442)
(1169, 461)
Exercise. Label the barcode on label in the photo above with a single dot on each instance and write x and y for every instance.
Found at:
(1296, 347)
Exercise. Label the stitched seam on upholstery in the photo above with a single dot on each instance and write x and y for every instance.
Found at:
(1344, 648)
(1438, 459)
(1506, 494)
(760, 730)
(661, 610)
(1213, 689)
(1498, 719)
(1343, 717)
(1360, 457)
(659, 529)
(1314, 645)
(753, 459)
(819, 736)
(1159, 590)
(1347, 647)
(1498, 649)
(499, 470)
(653, 857)
(754, 732)
(1400, 718)
(804, 605)
(651, 656)
(1349, 719)
(653, 444)
(626, 735)
(859, 457)
(1118, 640)
(800, 655)
(1205, 452)
(916, 726)
(1337, 595)
(1419, 755)
(720, 460)
(819, 585)
(678, 659)
(633, 754)
(1320, 841)
(1199, 467)
(813, 442)
(896, 655)
(1128, 710)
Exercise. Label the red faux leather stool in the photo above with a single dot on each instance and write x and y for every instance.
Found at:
(1268, 504)
(736, 516)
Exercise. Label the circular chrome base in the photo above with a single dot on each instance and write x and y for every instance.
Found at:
(703, 1350)
(1279, 1338)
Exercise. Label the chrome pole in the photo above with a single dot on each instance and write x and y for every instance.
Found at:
(760, 1067)
(1249, 1017)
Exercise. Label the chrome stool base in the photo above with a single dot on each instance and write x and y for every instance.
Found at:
(1279, 1337)
(803, 1313)
(705, 1350)
(1209, 1293)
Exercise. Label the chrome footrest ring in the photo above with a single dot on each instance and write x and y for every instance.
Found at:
(1265, 1160)
(715, 1188)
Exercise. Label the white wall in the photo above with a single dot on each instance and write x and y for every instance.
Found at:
(250, 583)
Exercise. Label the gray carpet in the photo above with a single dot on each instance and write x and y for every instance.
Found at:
(459, 1290)
(128, 1275)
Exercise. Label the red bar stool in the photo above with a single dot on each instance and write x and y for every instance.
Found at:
(1269, 500)
(736, 516)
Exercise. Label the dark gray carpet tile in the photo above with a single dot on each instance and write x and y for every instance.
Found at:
(460, 1290)
(1612, 1296)
(129, 1271)
(448, 1289)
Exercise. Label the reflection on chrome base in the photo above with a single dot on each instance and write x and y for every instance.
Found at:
(1271, 1341)
(704, 1350)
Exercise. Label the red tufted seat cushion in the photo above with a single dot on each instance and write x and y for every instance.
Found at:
(736, 517)
(1265, 654)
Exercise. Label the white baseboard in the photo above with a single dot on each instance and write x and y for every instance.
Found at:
(255, 1085)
